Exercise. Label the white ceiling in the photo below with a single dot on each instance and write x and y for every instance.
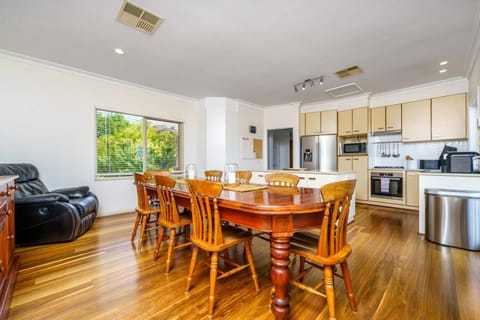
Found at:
(252, 50)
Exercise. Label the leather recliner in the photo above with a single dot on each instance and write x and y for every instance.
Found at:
(43, 216)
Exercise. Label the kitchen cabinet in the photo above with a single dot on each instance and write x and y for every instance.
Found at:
(387, 118)
(321, 122)
(393, 117)
(312, 123)
(353, 122)
(449, 117)
(359, 165)
(8, 260)
(411, 189)
(416, 125)
(302, 124)
(328, 121)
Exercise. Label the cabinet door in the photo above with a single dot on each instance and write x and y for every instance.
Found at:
(360, 120)
(302, 125)
(378, 119)
(328, 121)
(345, 164)
(416, 121)
(449, 117)
(360, 167)
(345, 123)
(412, 188)
(393, 117)
(312, 123)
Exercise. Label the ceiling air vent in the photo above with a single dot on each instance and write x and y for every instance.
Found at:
(138, 18)
(345, 90)
(348, 72)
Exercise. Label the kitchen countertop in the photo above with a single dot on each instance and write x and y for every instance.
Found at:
(303, 171)
(446, 174)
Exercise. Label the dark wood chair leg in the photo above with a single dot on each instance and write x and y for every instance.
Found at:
(171, 244)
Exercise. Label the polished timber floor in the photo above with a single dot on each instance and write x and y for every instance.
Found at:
(102, 275)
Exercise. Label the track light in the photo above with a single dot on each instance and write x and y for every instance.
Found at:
(304, 83)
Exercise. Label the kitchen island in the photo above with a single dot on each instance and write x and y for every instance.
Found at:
(440, 180)
(311, 179)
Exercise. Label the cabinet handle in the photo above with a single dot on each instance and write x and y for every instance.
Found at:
(380, 128)
(9, 212)
(260, 175)
(312, 178)
(13, 187)
(348, 131)
(391, 127)
(301, 178)
(3, 193)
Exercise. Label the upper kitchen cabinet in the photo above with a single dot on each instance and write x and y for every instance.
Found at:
(302, 124)
(312, 123)
(328, 120)
(387, 118)
(416, 124)
(393, 117)
(324, 122)
(353, 122)
(449, 117)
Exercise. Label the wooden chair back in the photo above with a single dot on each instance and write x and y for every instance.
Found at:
(207, 228)
(333, 232)
(143, 202)
(213, 175)
(244, 177)
(150, 174)
(282, 179)
(168, 206)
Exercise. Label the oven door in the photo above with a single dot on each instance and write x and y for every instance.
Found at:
(386, 185)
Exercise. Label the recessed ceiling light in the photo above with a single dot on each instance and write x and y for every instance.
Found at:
(443, 63)
(119, 51)
(443, 71)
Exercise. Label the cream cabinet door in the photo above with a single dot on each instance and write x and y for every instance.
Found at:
(328, 122)
(345, 123)
(412, 188)
(378, 119)
(360, 167)
(345, 164)
(360, 120)
(312, 123)
(393, 117)
(302, 124)
(416, 124)
(449, 117)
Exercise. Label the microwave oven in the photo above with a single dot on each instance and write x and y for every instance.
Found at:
(354, 147)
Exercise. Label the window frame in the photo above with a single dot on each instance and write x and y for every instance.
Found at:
(144, 120)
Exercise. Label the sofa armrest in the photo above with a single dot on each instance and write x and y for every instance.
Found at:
(42, 199)
(74, 192)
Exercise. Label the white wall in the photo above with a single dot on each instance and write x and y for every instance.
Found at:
(48, 119)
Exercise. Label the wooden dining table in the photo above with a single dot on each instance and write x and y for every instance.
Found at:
(277, 210)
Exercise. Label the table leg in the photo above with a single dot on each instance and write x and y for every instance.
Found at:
(280, 275)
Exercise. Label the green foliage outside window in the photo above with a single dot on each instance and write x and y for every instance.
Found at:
(120, 144)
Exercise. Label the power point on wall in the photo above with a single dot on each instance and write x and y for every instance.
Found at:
(253, 129)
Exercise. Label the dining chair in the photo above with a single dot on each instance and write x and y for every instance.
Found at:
(213, 175)
(210, 235)
(150, 177)
(171, 218)
(282, 179)
(243, 177)
(145, 208)
(329, 247)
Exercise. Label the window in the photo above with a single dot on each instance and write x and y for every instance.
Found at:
(129, 143)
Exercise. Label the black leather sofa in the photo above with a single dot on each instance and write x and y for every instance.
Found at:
(43, 216)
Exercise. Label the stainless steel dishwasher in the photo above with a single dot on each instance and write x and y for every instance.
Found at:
(453, 218)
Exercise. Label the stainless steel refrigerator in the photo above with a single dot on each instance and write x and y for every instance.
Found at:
(319, 153)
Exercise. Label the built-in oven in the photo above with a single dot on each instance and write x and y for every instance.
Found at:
(387, 186)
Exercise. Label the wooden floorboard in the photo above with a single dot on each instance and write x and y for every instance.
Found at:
(396, 274)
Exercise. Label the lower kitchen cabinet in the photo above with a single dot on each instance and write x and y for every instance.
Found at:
(359, 165)
(412, 189)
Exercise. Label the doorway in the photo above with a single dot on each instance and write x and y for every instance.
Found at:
(280, 148)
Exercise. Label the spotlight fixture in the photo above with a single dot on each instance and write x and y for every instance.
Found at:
(310, 81)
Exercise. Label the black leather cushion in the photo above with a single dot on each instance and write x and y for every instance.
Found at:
(75, 192)
(85, 205)
(27, 181)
